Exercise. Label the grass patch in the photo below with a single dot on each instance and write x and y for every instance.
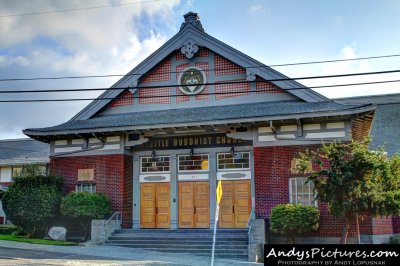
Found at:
(36, 241)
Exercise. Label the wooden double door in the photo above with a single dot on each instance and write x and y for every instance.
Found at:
(194, 205)
(235, 205)
(155, 205)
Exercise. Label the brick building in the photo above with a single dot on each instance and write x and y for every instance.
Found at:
(194, 112)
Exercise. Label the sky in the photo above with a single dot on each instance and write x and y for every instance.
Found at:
(112, 37)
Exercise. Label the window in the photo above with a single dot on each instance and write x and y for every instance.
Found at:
(154, 164)
(16, 171)
(301, 191)
(91, 188)
(197, 162)
(237, 161)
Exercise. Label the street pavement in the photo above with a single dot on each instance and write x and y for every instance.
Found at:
(17, 253)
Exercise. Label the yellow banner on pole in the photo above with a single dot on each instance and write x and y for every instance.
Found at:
(219, 192)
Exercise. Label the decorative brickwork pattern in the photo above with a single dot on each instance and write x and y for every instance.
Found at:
(203, 95)
(267, 87)
(203, 52)
(154, 95)
(181, 97)
(162, 73)
(113, 177)
(232, 90)
(226, 67)
(126, 98)
(271, 174)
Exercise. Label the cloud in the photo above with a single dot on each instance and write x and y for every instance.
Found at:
(86, 42)
(256, 8)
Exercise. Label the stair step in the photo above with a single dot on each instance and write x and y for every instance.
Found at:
(182, 241)
(179, 245)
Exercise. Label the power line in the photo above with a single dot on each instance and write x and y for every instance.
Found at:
(76, 9)
(200, 94)
(205, 84)
(206, 70)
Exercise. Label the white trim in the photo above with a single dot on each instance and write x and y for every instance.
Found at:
(94, 140)
(193, 177)
(77, 141)
(286, 136)
(150, 178)
(113, 139)
(266, 138)
(311, 126)
(264, 130)
(60, 142)
(111, 147)
(242, 175)
(326, 135)
(288, 128)
(335, 125)
(67, 149)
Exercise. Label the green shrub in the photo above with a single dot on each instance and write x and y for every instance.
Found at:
(84, 207)
(7, 229)
(32, 199)
(394, 240)
(294, 220)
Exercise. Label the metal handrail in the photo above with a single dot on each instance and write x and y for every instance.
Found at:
(248, 221)
(118, 216)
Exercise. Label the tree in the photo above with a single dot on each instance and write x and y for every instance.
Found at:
(85, 206)
(294, 220)
(353, 180)
(32, 199)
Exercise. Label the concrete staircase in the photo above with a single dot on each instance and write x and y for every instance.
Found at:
(231, 243)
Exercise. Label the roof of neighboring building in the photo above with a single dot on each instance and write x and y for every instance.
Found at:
(23, 151)
(385, 131)
(202, 116)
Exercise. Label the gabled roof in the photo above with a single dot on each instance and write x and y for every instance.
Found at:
(191, 30)
(254, 112)
(23, 151)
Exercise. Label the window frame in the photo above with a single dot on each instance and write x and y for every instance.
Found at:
(233, 169)
(311, 194)
(81, 185)
(192, 171)
(155, 172)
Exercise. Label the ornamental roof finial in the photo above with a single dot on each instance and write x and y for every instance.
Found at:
(192, 19)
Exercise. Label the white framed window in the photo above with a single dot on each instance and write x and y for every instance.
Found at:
(301, 191)
(193, 163)
(16, 171)
(91, 188)
(157, 164)
(236, 161)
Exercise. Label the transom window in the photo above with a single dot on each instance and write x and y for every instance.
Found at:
(236, 161)
(301, 191)
(154, 164)
(197, 162)
(91, 188)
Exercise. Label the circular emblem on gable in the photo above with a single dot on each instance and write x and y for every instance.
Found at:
(190, 79)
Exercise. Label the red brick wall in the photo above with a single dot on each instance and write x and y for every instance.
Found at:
(112, 176)
(272, 173)
(396, 224)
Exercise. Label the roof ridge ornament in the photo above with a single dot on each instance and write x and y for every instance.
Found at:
(189, 48)
(193, 19)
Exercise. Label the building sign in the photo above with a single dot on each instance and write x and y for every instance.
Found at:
(159, 178)
(193, 177)
(85, 174)
(198, 141)
(237, 175)
(191, 80)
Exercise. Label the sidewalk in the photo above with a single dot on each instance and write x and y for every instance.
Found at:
(109, 255)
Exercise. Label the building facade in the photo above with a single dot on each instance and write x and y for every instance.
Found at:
(194, 112)
(15, 154)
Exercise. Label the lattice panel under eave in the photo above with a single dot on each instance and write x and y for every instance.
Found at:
(226, 67)
(162, 73)
(126, 98)
(224, 91)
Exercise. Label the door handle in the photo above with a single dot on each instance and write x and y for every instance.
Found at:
(233, 209)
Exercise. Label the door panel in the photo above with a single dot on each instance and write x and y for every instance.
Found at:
(162, 205)
(235, 204)
(147, 205)
(186, 205)
(154, 205)
(202, 204)
(194, 205)
(242, 203)
(226, 215)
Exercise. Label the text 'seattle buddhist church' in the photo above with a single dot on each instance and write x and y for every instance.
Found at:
(194, 112)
